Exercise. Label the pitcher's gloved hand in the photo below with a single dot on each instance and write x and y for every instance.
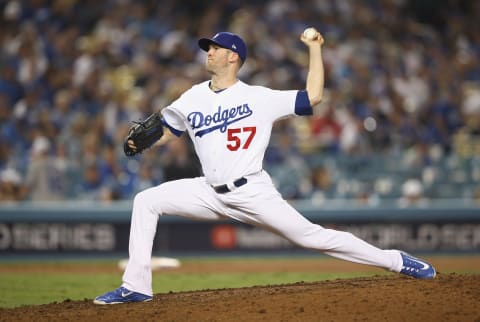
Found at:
(143, 135)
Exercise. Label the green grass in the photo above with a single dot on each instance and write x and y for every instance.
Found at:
(24, 288)
(36, 288)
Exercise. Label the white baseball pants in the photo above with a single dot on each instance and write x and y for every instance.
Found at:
(257, 203)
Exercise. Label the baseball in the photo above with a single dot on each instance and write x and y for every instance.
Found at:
(310, 33)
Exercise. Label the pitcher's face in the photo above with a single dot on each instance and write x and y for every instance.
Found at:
(217, 59)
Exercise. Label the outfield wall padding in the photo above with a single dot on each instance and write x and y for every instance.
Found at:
(96, 228)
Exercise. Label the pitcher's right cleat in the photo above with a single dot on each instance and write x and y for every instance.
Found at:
(121, 295)
(416, 267)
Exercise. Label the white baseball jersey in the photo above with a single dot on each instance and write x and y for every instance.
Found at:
(231, 129)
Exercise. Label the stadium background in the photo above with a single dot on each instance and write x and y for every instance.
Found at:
(394, 147)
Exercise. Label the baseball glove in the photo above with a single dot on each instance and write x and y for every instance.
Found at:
(144, 134)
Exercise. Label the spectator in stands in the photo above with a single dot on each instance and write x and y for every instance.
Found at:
(476, 195)
(412, 194)
(11, 188)
(145, 178)
(91, 187)
(326, 130)
(322, 186)
(285, 163)
(179, 161)
(46, 178)
(9, 85)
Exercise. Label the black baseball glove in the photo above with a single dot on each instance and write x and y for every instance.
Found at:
(144, 134)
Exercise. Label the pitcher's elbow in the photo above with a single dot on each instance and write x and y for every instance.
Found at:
(314, 100)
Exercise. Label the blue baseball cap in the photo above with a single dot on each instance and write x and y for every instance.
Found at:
(226, 40)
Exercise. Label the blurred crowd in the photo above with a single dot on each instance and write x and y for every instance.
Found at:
(401, 116)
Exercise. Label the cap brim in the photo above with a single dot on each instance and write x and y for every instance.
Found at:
(204, 43)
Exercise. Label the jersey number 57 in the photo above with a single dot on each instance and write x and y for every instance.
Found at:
(234, 137)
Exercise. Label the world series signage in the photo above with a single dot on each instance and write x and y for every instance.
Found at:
(191, 237)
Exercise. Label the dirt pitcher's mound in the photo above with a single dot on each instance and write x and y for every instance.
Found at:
(381, 298)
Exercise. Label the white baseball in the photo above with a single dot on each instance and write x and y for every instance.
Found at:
(310, 33)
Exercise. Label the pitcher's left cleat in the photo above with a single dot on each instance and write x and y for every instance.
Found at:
(121, 295)
(416, 267)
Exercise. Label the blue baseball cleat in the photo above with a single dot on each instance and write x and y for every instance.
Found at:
(416, 267)
(121, 295)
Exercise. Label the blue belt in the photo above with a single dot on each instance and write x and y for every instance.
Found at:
(224, 188)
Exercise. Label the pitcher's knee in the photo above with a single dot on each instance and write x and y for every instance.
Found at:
(140, 197)
(145, 199)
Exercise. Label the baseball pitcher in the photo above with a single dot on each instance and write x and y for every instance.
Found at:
(230, 123)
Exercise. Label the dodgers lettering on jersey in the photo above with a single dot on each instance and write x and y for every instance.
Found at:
(220, 120)
(230, 130)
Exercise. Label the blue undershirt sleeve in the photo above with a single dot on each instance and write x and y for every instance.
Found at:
(175, 132)
(302, 104)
